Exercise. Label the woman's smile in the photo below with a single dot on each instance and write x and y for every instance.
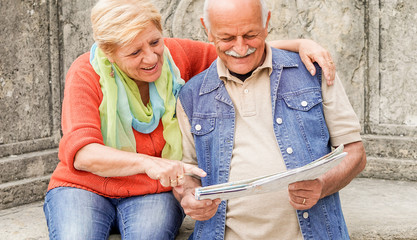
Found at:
(150, 68)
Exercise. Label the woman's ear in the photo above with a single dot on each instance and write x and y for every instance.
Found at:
(110, 59)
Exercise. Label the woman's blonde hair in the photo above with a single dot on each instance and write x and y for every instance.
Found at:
(117, 22)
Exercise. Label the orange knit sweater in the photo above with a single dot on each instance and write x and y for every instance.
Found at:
(81, 124)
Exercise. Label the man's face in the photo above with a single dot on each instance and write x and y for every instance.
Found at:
(238, 34)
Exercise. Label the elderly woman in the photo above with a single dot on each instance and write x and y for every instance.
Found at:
(121, 140)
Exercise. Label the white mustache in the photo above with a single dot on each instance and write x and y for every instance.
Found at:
(237, 55)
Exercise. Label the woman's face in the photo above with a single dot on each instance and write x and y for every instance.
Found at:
(142, 59)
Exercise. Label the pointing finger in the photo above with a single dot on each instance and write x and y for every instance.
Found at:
(191, 169)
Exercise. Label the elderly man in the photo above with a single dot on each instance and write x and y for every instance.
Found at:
(258, 111)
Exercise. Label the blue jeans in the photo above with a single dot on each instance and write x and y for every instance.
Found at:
(73, 213)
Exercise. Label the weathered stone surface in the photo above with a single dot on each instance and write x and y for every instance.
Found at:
(30, 145)
(391, 146)
(36, 164)
(397, 62)
(23, 192)
(29, 99)
(390, 169)
(77, 36)
(25, 86)
(167, 9)
(390, 157)
(391, 87)
(186, 22)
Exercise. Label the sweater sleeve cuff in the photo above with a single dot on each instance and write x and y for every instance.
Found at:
(72, 142)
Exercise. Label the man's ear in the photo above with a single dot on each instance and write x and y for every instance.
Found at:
(267, 23)
(209, 36)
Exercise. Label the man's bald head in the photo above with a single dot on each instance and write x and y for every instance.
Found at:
(216, 4)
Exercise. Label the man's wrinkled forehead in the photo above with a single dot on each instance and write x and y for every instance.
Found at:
(233, 13)
(230, 7)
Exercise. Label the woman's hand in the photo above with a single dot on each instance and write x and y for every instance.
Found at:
(311, 52)
(170, 173)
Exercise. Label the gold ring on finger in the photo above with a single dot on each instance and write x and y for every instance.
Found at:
(304, 201)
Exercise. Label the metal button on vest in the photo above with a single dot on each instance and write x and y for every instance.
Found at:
(304, 103)
(197, 127)
(305, 215)
(289, 150)
(279, 121)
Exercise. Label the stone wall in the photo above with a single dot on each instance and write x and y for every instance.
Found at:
(372, 43)
(29, 77)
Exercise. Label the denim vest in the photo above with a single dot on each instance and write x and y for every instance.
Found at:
(299, 127)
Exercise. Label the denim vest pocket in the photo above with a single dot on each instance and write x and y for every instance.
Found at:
(303, 100)
(305, 108)
(202, 126)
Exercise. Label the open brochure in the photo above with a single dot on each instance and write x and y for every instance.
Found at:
(272, 182)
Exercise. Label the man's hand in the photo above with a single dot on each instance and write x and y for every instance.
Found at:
(199, 210)
(311, 52)
(305, 194)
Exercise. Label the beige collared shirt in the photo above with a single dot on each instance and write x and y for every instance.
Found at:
(256, 151)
